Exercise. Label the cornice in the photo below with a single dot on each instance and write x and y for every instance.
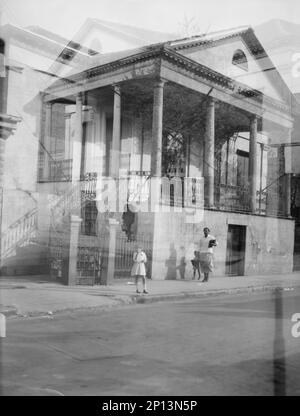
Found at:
(165, 53)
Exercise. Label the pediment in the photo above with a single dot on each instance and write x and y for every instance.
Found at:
(258, 72)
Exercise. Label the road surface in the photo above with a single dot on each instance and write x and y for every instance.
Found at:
(221, 345)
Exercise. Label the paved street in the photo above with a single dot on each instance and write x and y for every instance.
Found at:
(222, 345)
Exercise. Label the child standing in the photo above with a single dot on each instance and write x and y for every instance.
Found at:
(196, 264)
(138, 269)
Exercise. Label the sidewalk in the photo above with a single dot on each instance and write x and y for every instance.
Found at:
(38, 295)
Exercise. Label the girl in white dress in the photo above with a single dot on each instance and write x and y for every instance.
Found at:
(138, 269)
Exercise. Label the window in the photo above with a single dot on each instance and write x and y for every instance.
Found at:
(89, 215)
(242, 168)
(3, 80)
(2, 59)
(239, 59)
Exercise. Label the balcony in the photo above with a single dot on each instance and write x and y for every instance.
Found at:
(237, 199)
(232, 198)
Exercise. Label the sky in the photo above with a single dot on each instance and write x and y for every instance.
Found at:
(65, 17)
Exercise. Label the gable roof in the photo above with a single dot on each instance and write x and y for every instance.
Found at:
(47, 34)
(207, 38)
(137, 34)
(247, 34)
(171, 50)
(278, 32)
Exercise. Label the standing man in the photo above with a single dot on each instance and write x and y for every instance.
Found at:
(207, 243)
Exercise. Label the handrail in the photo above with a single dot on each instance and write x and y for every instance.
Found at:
(19, 232)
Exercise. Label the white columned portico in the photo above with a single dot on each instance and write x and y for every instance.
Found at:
(209, 153)
(253, 163)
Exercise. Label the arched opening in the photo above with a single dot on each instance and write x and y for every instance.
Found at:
(239, 59)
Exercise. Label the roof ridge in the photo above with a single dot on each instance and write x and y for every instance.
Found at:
(201, 37)
(124, 25)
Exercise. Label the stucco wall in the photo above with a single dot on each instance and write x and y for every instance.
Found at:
(219, 58)
(269, 243)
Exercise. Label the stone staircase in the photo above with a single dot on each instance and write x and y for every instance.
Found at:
(20, 250)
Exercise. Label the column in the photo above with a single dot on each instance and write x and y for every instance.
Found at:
(113, 225)
(77, 143)
(253, 163)
(288, 169)
(157, 124)
(287, 185)
(75, 223)
(114, 174)
(284, 180)
(67, 136)
(47, 142)
(262, 146)
(2, 160)
(75, 220)
(209, 154)
(116, 134)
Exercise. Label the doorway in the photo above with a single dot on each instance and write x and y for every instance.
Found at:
(236, 246)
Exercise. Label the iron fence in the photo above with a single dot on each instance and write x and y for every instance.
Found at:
(125, 250)
(89, 265)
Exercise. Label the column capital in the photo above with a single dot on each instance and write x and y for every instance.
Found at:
(75, 219)
(117, 88)
(253, 117)
(211, 100)
(159, 83)
(48, 105)
(79, 97)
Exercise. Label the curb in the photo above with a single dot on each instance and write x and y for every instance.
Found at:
(216, 292)
(8, 311)
(125, 300)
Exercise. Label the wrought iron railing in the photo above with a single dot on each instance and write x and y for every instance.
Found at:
(185, 192)
(125, 250)
(84, 190)
(174, 191)
(89, 264)
(237, 199)
(232, 198)
(18, 234)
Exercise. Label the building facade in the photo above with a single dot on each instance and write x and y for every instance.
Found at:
(149, 144)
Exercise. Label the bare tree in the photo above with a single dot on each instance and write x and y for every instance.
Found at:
(190, 26)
